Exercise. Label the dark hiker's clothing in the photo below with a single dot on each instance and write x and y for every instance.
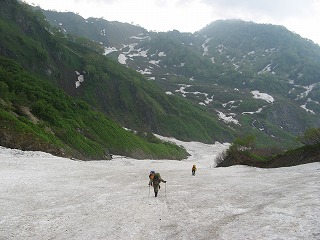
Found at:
(155, 180)
(194, 168)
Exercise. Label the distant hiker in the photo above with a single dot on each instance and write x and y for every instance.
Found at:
(194, 169)
(154, 180)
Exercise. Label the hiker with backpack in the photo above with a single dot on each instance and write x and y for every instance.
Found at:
(193, 170)
(154, 180)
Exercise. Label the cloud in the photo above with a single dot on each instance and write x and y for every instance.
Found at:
(95, 1)
(272, 8)
(302, 17)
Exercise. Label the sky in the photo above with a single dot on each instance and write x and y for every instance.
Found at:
(48, 197)
(299, 16)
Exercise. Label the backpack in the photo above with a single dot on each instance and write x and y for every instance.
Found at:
(156, 177)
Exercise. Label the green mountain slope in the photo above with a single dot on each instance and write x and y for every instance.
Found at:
(253, 78)
(109, 33)
(49, 119)
(298, 156)
(35, 115)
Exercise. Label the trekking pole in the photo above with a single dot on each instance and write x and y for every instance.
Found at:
(149, 191)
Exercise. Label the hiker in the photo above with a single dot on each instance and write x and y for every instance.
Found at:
(154, 180)
(194, 168)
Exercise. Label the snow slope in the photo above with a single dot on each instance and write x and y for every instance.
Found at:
(47, 197)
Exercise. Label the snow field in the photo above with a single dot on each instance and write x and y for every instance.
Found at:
(46, 197)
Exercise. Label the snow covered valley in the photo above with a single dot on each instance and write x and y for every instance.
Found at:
(47, 197)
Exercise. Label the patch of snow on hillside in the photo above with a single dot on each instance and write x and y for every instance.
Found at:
(212, 60)
(143, 53)
(169, 93)
(140, 53)
(258, 111)
(131, 48)
(205, 47)
(263, 96)
(304, 106)
(310, 100)
(141, 38)
(308, 90)
(220, 48)
(108, 50)
(145, 71)
(290, 81)
(266, 69)
(122, 59)
(290, 91)
(80, 79)
(182, 89)
(236, 66)
(240, 44)
(161, 54)
(227, 119)
(271, 50)
(230, 104)
(209, 100)
(154, 62)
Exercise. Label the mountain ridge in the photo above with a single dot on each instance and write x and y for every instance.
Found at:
(175, 59)
(188, 86)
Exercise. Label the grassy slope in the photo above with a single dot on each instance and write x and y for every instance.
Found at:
(302, 155)
(65, 125)
(121, 93)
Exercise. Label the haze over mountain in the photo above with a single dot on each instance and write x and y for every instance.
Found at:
(302, 17)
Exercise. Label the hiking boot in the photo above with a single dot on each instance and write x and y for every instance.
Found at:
(159, 186)
(155, 194)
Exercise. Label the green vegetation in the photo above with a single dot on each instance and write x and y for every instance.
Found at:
(227, 60)
(243, 152)
(310, 137)
(35, 111)
(121, 93)
(224, 61)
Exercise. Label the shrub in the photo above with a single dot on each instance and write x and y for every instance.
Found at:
(310, 137)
